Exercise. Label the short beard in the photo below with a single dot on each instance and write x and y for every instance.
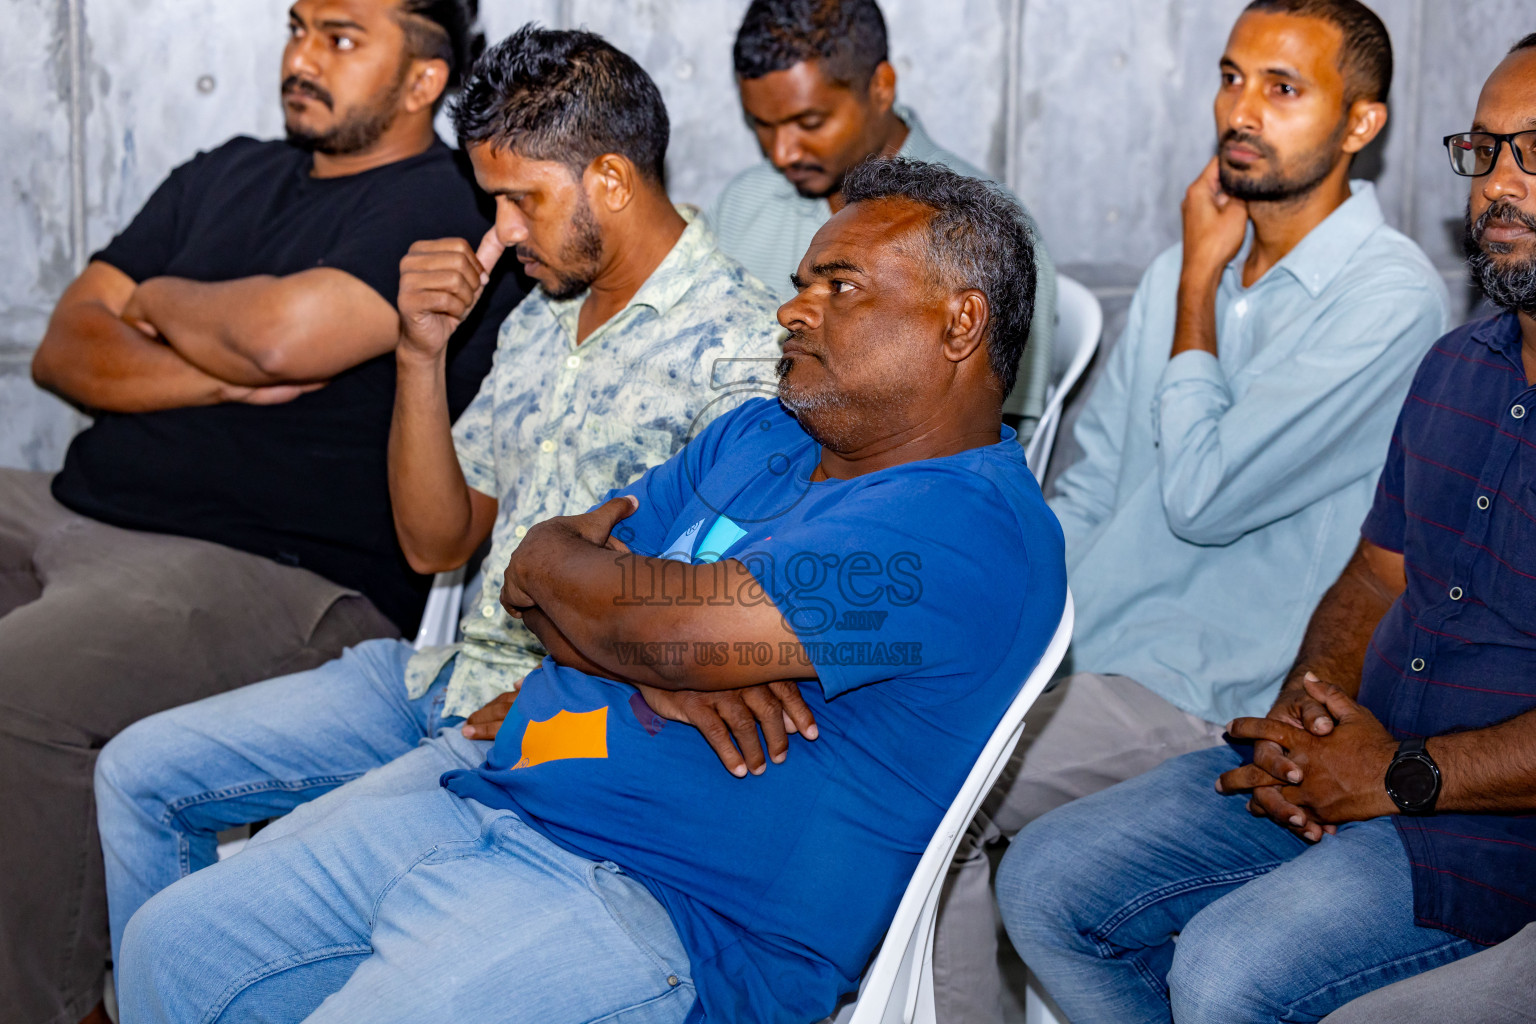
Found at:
(1276, 186)
(1510, 285)
(582, 251)
(359, 130)
(837, 420)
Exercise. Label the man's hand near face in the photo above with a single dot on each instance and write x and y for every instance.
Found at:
(1215, 225)
(1330, 778)
(439, 519)
(440, 282)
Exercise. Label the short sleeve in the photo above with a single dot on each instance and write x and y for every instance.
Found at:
(145, 247)
(1386, 524)
(920, 576)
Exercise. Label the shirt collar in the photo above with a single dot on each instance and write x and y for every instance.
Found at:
(668, 283)
(918, 146)
(1319, 258)
(1501, 333)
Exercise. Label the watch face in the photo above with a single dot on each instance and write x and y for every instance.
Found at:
(1413, 781)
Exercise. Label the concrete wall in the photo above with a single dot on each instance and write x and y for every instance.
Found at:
(1097, 112)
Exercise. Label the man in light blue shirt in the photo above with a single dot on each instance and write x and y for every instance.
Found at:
(1232, 445)
(819, 93)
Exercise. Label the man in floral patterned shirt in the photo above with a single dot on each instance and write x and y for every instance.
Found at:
(641, 332)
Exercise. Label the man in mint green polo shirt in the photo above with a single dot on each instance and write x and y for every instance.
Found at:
(820, 94)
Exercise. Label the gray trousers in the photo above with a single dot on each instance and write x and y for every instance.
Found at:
(1496, 986)
(1085, 735)
(100, 627)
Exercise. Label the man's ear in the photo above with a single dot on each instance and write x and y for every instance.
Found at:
(1366, 120)
(882, 87)
(611, 182)
(969, 315)
(426, 81)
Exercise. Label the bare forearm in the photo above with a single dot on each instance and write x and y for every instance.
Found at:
(560, 648)
(212, 324)
(92, 358)
(1195, 325)
(656, 621)
(265, 330)
(1488, 771)
(434, 517)
(1338, 637)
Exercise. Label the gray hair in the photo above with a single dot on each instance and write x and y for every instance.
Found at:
(977, 238)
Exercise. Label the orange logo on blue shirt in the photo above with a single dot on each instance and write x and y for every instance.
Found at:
(569, 735)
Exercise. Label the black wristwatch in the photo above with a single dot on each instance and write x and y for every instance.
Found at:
(1413, 779)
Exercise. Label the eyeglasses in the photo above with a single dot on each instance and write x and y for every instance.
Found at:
(1473, 154)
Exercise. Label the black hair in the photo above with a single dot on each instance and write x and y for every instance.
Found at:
(568, 96)
(846, 36)
(1528, 43)
(445, 30)
(1366, 58)
(977, 238)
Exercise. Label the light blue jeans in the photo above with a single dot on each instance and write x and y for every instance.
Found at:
(168, 784)
(1269, 928)
(390, 899)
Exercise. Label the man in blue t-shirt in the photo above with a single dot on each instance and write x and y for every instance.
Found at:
(843, 543)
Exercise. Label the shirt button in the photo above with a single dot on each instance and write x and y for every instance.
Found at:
(1418, 665)
(520, 532)
(573, 361)
(672, 979)
(1482, 502)
(489, 611)
(1455, 593)
(546, 447)
(1518, 412)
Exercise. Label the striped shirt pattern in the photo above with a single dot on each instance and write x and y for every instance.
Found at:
(1458, 650)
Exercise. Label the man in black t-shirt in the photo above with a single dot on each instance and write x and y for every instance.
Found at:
(226, 519)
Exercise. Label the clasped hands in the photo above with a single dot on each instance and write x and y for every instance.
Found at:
(729, 720)
(1319, 760)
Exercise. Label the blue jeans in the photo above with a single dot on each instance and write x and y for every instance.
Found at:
(1269, 928)
(168, 784)
(391, 899)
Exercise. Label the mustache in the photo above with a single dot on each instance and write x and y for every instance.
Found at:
(1232, 135)
(1501, 212)
(798, 338)
(304, 87)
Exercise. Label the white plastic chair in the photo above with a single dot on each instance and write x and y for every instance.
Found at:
(1079, 323)
(440, 621)
(898, 987)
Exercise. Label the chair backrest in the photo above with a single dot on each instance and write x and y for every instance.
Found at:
(1079, 323)
(440, 621)
(898, 987)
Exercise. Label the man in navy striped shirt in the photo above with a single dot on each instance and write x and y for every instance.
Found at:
(1400, 757)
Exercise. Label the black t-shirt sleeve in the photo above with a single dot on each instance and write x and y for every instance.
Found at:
(145, 247)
